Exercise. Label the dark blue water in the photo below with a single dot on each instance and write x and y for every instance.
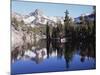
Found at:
(62, 57)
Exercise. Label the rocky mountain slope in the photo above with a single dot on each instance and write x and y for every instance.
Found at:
(27, 28)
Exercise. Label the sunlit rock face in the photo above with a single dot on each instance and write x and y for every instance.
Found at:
(17, 38)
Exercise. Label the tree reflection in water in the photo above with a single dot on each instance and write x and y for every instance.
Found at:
(44, 49)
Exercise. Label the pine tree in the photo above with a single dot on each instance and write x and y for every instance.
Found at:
(66, 23)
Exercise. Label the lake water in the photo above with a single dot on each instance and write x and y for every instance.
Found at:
(51, 56)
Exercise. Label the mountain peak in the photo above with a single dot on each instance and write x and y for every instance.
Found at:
(36, 12)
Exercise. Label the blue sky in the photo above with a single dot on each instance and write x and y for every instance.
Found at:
(50, 9)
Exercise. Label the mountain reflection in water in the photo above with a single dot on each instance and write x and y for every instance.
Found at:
(73, 55)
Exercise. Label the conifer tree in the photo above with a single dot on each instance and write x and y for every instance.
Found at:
(66, 23)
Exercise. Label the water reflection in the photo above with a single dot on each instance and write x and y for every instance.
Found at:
(53, 55)
(47, 49)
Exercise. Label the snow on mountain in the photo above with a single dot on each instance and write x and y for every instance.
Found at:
(37, 17)
(57, 19)
(29, 19)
